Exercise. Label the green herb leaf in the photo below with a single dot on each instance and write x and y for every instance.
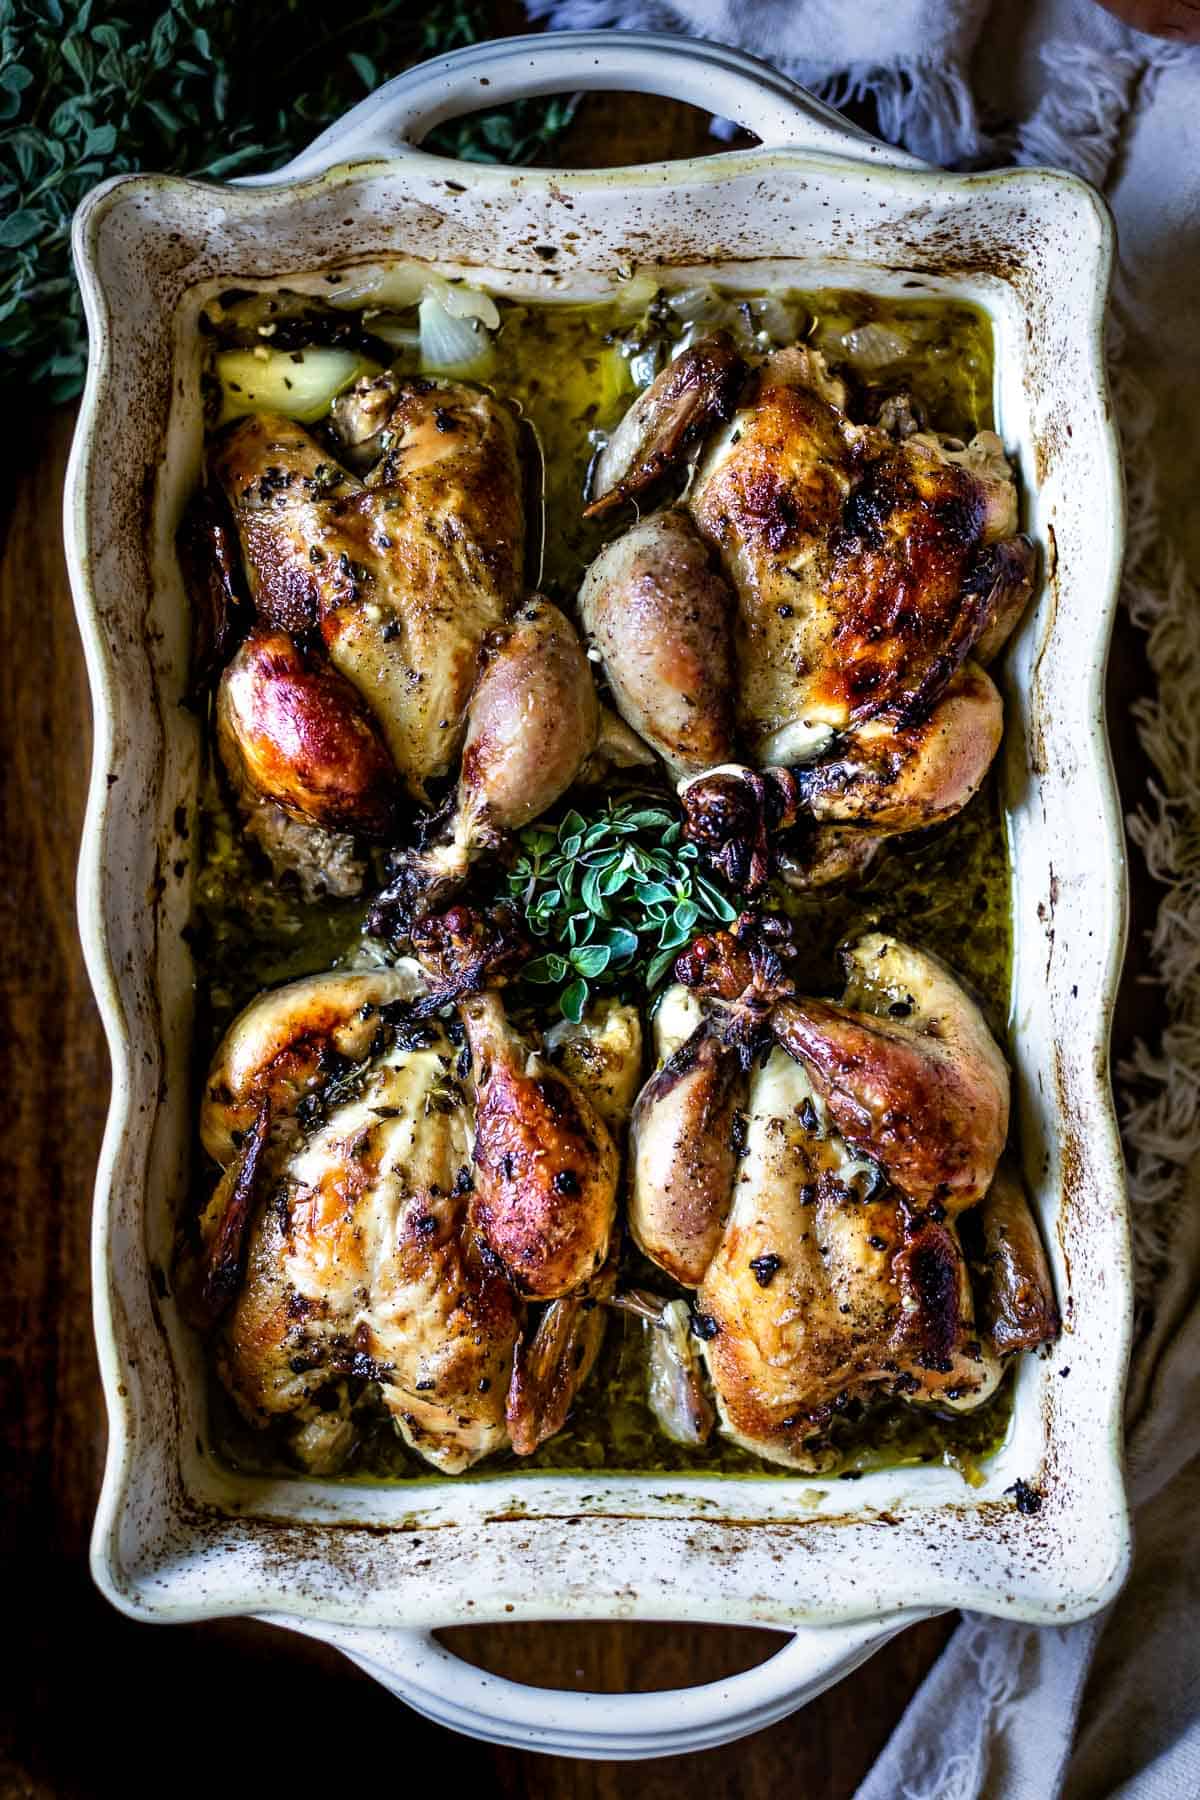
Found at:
(20, 227)
(364, 68)
(623, 944)
(573, 1000)
(616, 877)
(591, 960)
(659, 967)
(590, 893)
(546, 968)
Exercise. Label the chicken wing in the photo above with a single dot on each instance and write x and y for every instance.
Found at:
(696, 391)
(1017, 1308)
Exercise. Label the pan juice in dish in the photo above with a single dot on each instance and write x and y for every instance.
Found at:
(571, 373)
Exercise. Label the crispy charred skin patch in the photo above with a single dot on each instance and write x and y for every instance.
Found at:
(928, 1270)
(1003, 574)
(895, 776)
(743, 971)
(695, 392)
(298, 734)
(899, 573)
(466, 950)
(224, 1262)
(411, 894)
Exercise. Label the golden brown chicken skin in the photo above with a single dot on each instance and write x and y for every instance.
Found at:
(819, 1296)
(697, 391)
(852, 584)
(817, 1223)
(602, 1057)
(298, 731)
(400, 594)
(358, 1263)
(403, 573)
(532, 723)
(908, 1070)
(683, 1147)
(341, 1245)
(850, 555)
(660, 616)
(546, 1165)
(546, 1162)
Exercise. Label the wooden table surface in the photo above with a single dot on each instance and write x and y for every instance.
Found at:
(239, 1701)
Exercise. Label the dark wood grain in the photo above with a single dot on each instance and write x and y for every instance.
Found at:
(245, 1707)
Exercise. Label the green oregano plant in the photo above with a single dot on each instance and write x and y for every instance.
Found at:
(615, 897)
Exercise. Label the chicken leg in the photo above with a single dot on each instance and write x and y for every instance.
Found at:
(532, 724)
(545, 1163)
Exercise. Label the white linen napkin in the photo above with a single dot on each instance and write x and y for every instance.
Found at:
(910, 55)
(1111, 1706)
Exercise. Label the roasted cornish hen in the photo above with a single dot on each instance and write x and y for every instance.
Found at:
(393, 642)
(802, 1164)
(391, 1199)
(821, 604)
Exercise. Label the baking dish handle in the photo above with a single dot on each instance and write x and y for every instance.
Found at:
(393, 120)
(421, 1671)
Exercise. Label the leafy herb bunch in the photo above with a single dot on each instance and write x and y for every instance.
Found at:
(616, 897)
(202, 87)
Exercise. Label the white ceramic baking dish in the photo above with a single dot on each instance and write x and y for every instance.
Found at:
(373, 1568)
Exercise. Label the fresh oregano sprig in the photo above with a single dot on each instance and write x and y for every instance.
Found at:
(197, 87)
(615, 897)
